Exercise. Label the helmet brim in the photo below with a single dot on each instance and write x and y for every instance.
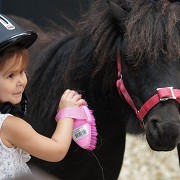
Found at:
(25, 40)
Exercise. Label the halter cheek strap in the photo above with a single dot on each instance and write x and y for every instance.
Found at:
(163, 94)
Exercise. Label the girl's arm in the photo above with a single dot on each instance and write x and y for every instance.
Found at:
(19, 133)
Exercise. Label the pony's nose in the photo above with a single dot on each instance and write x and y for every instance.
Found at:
(161, 134)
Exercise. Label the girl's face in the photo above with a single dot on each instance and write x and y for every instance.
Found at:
(13, 81)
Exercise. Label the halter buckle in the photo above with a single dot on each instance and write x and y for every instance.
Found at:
(120, 76)
(166, 93)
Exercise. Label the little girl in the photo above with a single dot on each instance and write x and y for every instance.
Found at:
(17, 138)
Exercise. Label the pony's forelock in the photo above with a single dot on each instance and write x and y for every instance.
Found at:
(152, 30)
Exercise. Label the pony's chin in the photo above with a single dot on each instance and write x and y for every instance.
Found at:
(157, 146)
(161, 148)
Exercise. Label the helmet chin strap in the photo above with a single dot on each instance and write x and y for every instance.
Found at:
(163, 94)
(18, 110)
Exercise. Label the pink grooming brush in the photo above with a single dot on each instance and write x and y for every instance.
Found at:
(84, 129)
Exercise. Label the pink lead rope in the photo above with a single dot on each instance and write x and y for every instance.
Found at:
(163, 94)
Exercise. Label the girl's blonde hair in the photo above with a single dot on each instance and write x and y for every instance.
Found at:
(15, 56)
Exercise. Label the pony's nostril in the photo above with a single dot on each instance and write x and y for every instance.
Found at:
(154, 122)
(154, 126)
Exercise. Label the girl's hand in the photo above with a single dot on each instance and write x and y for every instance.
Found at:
(70, 98)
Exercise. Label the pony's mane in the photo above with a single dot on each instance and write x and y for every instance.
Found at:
(99, 27)
(98, 37)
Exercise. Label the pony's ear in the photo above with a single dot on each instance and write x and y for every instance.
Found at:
(117, 11)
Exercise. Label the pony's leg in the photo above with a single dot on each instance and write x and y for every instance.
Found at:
(178, 150)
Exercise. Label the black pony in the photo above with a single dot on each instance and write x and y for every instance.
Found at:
(143, 38)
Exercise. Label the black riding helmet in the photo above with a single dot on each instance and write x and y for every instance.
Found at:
(12, 34)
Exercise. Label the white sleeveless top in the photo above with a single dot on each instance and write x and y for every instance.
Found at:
(12, 160)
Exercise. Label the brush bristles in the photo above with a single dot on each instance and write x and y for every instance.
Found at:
(93, 136)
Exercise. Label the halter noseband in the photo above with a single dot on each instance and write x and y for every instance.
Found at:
(163, 94)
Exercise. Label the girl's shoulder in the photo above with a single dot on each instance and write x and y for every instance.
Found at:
(3, 117)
